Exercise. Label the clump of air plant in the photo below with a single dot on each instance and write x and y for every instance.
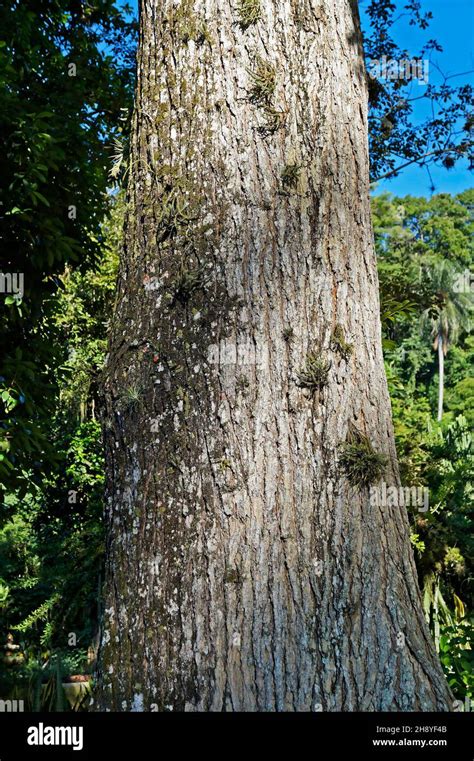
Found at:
(203, 35)
(262, 90)
(361, 463)
(189, 281)
(132, 397)
(340, 344)
(274, 121)
(290, 176)
(233, 576)
(176, 212)
(314, 375)
(250, 12)
(242, 383)
(263, 82)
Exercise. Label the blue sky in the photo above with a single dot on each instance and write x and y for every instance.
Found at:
(453, 27)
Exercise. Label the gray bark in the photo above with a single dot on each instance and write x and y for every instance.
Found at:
(245, 571)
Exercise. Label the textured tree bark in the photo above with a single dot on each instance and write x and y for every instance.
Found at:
(245, 571)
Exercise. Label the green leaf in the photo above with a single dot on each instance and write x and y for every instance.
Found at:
(41, 197)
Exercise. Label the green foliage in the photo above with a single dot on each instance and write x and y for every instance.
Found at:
(456, 653)
(4, 594)
(423, 245)
(460, 398)
(51, 538)
(449, 311)
(66, 76)
(36, 615)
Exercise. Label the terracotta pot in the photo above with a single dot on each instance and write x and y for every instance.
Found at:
(75, 689)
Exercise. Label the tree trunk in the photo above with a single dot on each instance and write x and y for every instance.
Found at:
(441, 376)
(245, 569)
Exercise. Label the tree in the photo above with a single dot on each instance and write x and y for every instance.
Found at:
(52, 539)
(447, 316)
(66, 75)
(414, 236)
(444, 136)
(246, 406)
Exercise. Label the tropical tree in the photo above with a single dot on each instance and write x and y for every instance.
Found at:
(247, 567)
(447, 315)
(437, 457)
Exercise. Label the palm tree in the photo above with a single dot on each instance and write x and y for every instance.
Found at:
(448, 315)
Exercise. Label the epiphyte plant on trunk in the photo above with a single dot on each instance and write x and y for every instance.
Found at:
(249, 12)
